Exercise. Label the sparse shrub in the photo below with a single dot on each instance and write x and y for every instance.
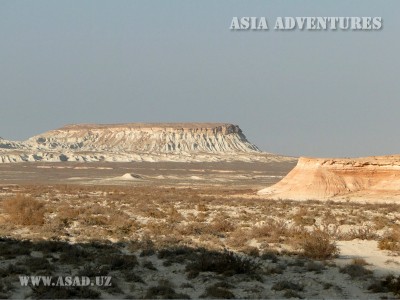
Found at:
(10, 249)
(202, 217)
(286, 285)
(391, 240)
(276, 269)
(177, 254)
(145, 244)
(38, 264)
(272, 231)
(93, 271)
(24, 210)
(113, 288)
(12, 269)
(318, 245)
(67, 214)
(173, 215)
(238, 238)
(390, 283)
(221, 224)
(5, 287)
(157, 227)
(298, 262)
(270, 255)
(291, 294)
(153, 212)
(91, 220)
(164, 290)
(226, 263)
(219, 290)
(149, 265)
(193, 228)
(147, 252)
(329, 218)
(359, 261)
(75, 255)
(131, 276)
(381, 222)
(362, 233)
(302, 218)
(120, 224)
(187, 285)
(202, 207)
(51, 246)
(313, 266)
(251, 251)
(121, 262)
(355, 270)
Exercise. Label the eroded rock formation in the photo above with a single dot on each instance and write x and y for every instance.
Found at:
(137, 142)
(376, 178)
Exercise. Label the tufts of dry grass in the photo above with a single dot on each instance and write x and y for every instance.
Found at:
(362, 233)
(24, 210)
(356, 270)
(391, 240)
(226, 263)
(318, 244)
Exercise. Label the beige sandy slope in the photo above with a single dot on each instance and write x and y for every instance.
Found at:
(370, 178)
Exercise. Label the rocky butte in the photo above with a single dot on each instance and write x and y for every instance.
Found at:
(137, 142)
(370, 178)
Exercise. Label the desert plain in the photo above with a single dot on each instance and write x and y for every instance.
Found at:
(189, 230)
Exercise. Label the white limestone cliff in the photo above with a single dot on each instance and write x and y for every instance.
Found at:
(137, 142)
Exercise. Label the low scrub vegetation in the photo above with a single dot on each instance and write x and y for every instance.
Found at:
(356, 269)
(318, 244)
(391, 240)
(197, 232)
(24, 210)
(226, 263)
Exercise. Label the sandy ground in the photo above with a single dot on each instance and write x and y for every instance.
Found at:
(380, 261)
(210, 206)
(239, 174)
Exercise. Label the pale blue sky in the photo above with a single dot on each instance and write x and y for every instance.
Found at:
(295, 93)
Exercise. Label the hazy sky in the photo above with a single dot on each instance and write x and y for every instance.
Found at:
(318, 93)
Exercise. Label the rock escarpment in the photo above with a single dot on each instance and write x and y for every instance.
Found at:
(148, 138)
(137, 142)
(369, 178)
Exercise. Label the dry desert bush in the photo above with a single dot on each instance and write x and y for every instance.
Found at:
(187, 230)
(391, 240)
(24, 210)
(390, 283)
(318, 244)
(206, 217)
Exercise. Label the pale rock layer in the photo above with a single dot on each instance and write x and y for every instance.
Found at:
(369, 178)
(137, 142)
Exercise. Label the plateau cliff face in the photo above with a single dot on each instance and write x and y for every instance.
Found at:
(137, 142)
(147, 138)
(369, 178)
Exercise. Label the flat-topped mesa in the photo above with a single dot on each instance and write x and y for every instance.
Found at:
(224, 128)
(176, 142)
(148, 138)
(376, 178)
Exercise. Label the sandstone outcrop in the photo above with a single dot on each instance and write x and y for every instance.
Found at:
(369, 178)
